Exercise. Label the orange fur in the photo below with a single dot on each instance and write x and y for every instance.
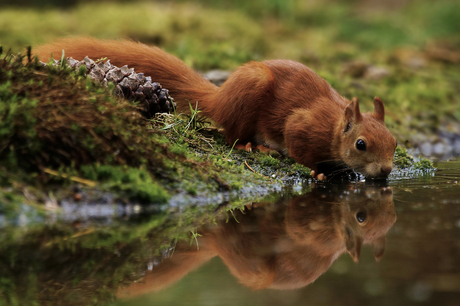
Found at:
(279, 104)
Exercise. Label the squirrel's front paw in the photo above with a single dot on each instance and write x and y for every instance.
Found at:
(249, 148)
(319, 177)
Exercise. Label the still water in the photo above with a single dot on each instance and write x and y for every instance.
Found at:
(362, 243)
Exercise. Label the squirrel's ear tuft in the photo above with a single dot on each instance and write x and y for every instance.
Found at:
(379, 110)
(352, 114)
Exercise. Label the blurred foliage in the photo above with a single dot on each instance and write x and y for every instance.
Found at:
(239, 30)
(415, 43)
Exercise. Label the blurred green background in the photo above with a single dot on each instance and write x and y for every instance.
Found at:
(406, 52)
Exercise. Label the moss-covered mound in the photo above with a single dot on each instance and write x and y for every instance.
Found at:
(52, 118)
(59, 127)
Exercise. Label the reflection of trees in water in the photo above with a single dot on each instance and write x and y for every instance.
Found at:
(284, 245)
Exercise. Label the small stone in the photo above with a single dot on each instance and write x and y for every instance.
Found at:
(217, 77)
(410, 58)
(426, 149)
(456, 146)
(438, 149)
(416, 62)
(355, 69)
(376, 73)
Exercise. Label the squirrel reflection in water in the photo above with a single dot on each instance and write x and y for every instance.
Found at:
(285, 245)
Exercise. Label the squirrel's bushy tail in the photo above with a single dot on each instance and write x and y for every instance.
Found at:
(184, 84)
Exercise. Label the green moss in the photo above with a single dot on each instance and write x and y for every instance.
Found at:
(300, 170)
(178, 149)
(403, 160)
(136, 184)
(424, 165)
(269, 161)
(236, 185)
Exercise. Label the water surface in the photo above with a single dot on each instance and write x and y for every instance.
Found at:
(420, 264)
(394, 242)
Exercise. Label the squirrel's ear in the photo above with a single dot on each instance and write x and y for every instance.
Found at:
(379, 110)
(352, 114)
(353, 244)
(379, 247)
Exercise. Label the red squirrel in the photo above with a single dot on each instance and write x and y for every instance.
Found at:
(278, 104)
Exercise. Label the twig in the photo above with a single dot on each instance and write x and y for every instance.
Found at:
(203, 139)
(246, 163)
(73, 178)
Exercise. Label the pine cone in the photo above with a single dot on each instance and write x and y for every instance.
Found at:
(129, 85)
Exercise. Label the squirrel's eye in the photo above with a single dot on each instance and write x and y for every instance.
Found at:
(361, 145)
(361, 216)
